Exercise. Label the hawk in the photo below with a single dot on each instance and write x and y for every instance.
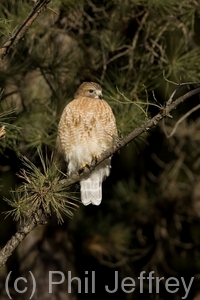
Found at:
(87, 127)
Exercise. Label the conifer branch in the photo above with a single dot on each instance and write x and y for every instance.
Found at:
(164, 112)
(36, 218)
(14, 39)
(19, 236)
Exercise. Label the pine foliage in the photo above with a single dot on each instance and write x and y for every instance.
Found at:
(41, 189)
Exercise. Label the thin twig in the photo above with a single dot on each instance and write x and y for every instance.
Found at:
(181, 120)
(14, 39)
(135, 39)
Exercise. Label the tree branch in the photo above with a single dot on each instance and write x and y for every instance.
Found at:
(14, 39)
(181, 120)
(165, 112)
(19, 236)
(34, 221)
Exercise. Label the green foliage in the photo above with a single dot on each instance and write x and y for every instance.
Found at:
(4, 30)
(11, 131)
(43, 133)
(41, 189)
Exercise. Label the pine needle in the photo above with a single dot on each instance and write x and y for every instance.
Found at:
(41, 189)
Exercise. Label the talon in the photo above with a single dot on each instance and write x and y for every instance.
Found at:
(95, 157)
(82, 167)
(85, 164)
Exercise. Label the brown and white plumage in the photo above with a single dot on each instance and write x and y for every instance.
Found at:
(87, 127)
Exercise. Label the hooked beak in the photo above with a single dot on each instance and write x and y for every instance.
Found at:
(99, 94)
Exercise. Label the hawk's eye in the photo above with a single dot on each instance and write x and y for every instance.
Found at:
(91, 91)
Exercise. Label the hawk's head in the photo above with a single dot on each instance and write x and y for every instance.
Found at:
(89, 89)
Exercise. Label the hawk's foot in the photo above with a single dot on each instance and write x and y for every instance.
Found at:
(83, 166)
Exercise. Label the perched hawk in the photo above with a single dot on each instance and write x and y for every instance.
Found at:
(87, 127)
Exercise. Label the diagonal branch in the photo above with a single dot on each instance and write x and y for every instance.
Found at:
(165, 112)
(14, 39)
(35, 220)
(20, 235)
